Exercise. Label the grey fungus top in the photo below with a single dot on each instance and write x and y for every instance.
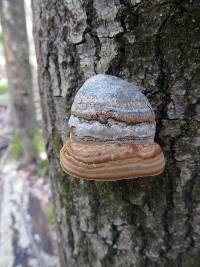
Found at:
(109, 109)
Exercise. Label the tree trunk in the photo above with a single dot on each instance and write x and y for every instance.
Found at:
(148, 221)
(19, 74)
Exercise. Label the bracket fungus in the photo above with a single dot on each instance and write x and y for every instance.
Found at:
(112, 129)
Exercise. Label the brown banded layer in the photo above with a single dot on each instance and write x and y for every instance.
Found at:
(103, 116)
(108, 162)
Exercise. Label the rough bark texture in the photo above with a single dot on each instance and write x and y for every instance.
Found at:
(19, 74)
(144, 222)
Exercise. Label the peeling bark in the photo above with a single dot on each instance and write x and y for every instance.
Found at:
(149, 221)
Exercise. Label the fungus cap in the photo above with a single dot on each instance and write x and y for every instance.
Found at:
(112, 129)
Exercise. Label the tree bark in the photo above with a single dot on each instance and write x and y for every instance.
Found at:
(148, 221)
(19, 74)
